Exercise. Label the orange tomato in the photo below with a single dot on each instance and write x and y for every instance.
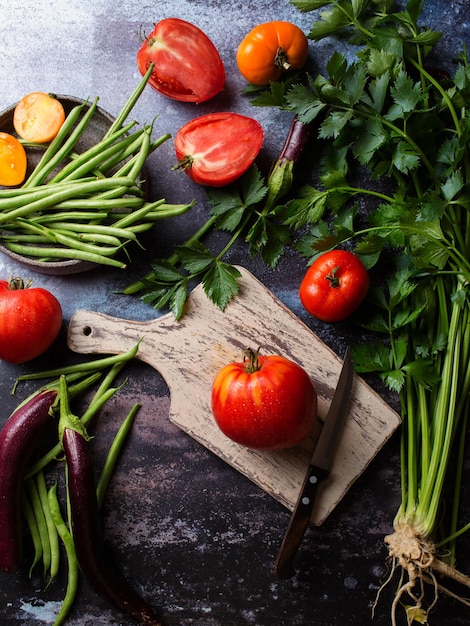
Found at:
(12, 161)
(38, 117)
(270, 50)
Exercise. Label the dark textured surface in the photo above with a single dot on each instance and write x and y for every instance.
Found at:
(192, 534)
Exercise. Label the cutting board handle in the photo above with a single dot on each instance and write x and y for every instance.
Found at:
(163, 341)
(91, 332)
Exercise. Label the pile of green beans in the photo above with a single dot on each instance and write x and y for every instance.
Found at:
(42, 505)
(86, 206)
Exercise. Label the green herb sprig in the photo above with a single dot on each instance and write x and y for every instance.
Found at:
(393, 181)
(249, 210)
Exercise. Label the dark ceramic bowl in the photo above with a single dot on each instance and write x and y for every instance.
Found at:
(98, 126)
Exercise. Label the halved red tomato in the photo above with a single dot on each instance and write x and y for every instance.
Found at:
(217, 148)
(187, 65)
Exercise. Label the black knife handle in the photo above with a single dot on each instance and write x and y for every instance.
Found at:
(284, 566)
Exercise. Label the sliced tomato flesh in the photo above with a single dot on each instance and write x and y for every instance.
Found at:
(217, 148)
(187, 65)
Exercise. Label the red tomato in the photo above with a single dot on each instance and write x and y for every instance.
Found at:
(264, 402)
(334, 286)
(217, 148)
(188, 66)
(30, 320)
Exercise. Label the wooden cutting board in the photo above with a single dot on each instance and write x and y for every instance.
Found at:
(189, 352)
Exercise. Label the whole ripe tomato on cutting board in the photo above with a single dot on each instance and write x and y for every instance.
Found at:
(265, 401)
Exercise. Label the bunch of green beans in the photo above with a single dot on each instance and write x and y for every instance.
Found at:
(42, 505)
(86, 206)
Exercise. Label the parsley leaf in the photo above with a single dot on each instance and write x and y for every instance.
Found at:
(221, 283)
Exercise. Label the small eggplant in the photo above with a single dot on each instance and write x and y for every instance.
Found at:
(17, 439)
(297, 140)
(91, 555)
(290, 165)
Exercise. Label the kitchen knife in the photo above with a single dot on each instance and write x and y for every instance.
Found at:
(318, 470)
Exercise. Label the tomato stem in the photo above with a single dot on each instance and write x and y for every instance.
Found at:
(184, 163)
(250, 357)
(333, 278)
(281, 60)
(17, 284)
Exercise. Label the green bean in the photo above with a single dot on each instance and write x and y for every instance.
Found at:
(20, 238)
(50, 527)
(156, 143)
(95, 158)
(111, 161)
(71, 241)
(77, 189)
(96, 202)
(113, 454)
(33, 529)
(96, 229)
(102, 239)
(85, 378)
(129, 105)
(114, 368)
(95, 365)
(33, 144)
(116, 192)
(134, 165)
(130, 218)
(119, 132)
(58, 141)
(46, 254)
(72, 561)
(126, 168)
(88, 156)
(162, 211)
(13, 197)
(97, 238)
(131, 168)
(41, 523)
(66, 215)
(40, 173)
(167, 210)
(132, 150)
(74, 243)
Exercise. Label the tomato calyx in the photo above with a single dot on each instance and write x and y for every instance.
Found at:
(15, 283)
(281, 60)
(251, 360)
(333, 278)
(185, 163)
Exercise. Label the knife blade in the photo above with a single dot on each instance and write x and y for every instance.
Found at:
(318, 470)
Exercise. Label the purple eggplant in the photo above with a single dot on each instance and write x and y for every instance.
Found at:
(297, 141)
(92, 558)
(288, 167)
(17, 439)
